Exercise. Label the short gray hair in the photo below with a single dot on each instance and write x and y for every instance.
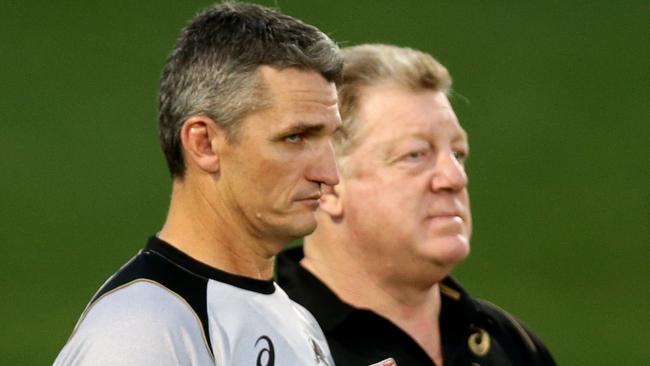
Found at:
(213, 69)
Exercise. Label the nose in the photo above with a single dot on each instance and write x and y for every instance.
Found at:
(449, 174)
(323, 169)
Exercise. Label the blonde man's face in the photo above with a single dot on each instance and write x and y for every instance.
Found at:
(404, 186)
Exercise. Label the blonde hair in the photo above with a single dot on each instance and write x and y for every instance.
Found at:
(369, 65)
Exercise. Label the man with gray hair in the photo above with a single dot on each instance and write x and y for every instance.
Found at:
(375, 273)
(247, 108)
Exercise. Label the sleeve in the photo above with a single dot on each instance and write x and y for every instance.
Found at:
(141, 323)
(543, 355)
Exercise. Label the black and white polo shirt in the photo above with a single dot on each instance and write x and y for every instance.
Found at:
(165, 308)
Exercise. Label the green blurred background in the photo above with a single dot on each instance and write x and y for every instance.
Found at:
(554, 95)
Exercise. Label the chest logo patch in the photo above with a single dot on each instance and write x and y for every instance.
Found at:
(266, 355)
(479, 342)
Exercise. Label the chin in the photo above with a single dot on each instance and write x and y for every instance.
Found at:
(302, 227)
(447, 251)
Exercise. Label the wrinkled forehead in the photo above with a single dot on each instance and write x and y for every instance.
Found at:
(389, 115)
(292, 99)
(292, 84)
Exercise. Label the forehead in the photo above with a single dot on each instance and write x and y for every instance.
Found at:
(294, 91)
(389, 114)
(294, 100)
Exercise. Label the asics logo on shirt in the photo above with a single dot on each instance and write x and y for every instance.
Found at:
(266, 356)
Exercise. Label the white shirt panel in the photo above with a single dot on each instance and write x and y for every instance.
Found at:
(141, 323)
(239, 321)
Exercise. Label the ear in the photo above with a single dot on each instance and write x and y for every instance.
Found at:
(331, 201)
(200, 136)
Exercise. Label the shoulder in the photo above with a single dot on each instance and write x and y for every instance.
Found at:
(142, 301)
(140, 322)
(514, 329)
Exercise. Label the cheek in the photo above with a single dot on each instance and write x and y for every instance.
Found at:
(410, 198)
(465, 204)
(380, 211)
(469, 216)
(274, 174)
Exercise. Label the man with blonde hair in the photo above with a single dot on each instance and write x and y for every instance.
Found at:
(376, 272)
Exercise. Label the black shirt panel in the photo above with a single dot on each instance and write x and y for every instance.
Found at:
(366, 338)
(162, 263)
(203, 270)
(473, 332)
(150, 264)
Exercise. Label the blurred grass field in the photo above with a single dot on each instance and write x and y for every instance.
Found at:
(554, 97)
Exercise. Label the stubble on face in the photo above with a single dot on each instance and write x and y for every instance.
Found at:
(282, 155)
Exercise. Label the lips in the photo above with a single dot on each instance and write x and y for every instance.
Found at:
(313, 196)
(447, 214)
(447, 219)
(311, 200)
(446, 223)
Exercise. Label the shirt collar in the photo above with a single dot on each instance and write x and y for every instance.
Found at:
(303, 287)
(183, 260)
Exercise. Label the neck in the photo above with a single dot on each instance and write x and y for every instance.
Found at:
(414, 308)
(204, 230)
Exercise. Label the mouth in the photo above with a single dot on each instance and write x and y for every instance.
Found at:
(447, 224)
(447, 217)
(312, 201)
(308, 197)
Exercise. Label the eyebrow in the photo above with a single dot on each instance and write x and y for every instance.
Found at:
(462, 136)
(307, 128)
(394, 141)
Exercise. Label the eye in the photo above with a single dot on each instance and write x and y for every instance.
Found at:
(414, 155)
(460, 156)
(296, 137)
